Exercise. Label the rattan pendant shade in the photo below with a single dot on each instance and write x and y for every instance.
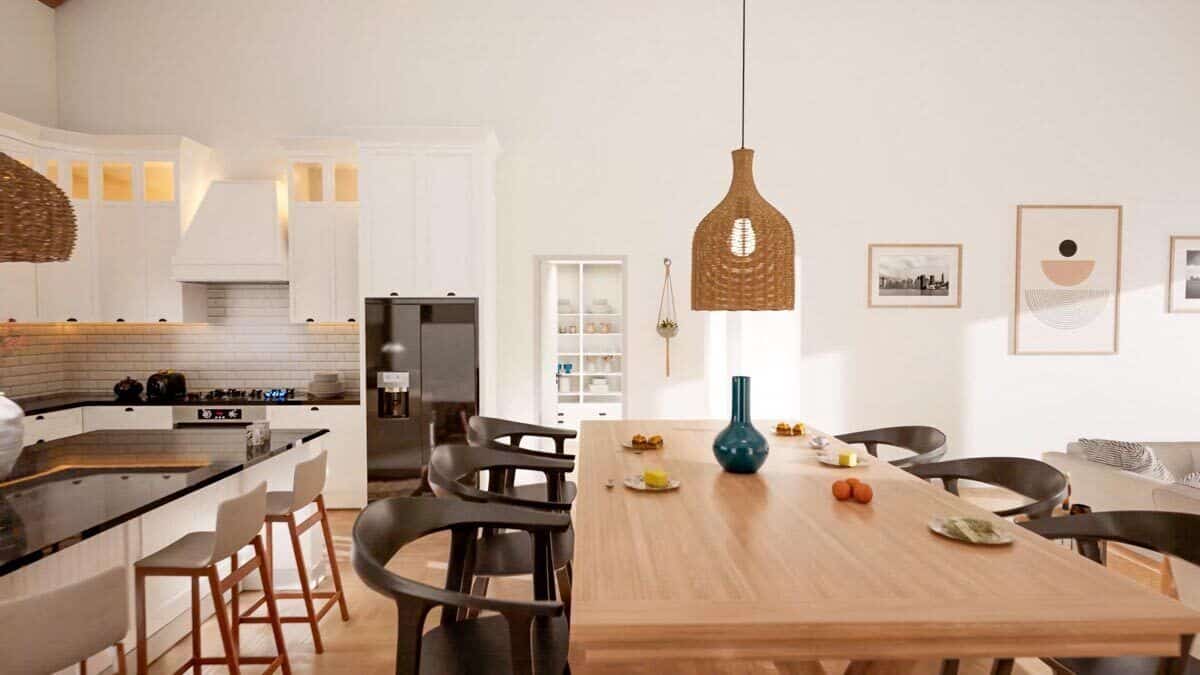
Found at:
(743, 252)
(37, 222)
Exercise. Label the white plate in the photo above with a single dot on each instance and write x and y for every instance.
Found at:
(832, 460)
(977, 531)
(638, 483)
(628, 445)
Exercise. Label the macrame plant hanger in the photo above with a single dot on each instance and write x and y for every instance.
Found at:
(668, 324)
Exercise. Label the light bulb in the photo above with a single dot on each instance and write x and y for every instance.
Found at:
(741, 238)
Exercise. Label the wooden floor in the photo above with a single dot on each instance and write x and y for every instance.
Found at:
(365, 645)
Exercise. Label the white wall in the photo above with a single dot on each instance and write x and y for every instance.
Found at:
(873, 122)
(27, 61)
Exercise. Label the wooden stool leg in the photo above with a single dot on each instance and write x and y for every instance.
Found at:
(333, 564)
(235, 607)
(83, 667)
(231, 655)
(120, 658)
(564, 590)
(196, 626)
(305, 591)
(139, 602)
(272, 609)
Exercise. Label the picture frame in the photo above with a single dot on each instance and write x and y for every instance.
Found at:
(914, 275)
(1067, 282)
(1183, 276)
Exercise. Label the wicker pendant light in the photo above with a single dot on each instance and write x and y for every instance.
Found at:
(37, 222)
(742, 252)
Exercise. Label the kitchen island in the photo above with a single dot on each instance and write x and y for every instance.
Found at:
(75, 506)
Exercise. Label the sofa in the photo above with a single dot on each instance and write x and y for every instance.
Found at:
(1107, 488)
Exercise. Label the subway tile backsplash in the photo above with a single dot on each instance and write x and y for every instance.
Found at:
(247, 343)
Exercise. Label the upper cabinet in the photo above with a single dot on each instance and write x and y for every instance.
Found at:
(428, 218)
(323, 214)
(132, 197)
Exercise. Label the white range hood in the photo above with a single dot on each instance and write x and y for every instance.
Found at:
(236, 236)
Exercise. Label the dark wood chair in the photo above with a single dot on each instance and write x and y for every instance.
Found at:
(1045, 485)
(454, 471)
(502, 434)
(928, 444)
(522, 638)
(1172, 534)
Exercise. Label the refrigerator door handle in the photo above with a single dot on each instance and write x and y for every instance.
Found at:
(432, 441)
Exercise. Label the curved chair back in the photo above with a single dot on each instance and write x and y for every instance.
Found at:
(1045, 485)
(238, 520)
(1186, 574)
(453, 469)
(84, 618)
(482, 431)
(1166, 532)
(928, 443)
(308, 480)
(388, 525)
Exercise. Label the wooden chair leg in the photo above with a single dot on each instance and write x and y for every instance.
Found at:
(83, 667)
(231, 655)
(120, 658)
(1167, 579)
(1002, 667)
(196, 653)
(478, 587)
(272, 609)
(139, 603)
(564, 590)
(333, 565)
(950, 667)
(305, 590)
(235, 608)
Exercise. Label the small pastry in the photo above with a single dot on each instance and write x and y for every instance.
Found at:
(798, 430)
(783, 429)
(638, 440)
(655, 441)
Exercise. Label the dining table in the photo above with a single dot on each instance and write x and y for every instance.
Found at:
(770, 567)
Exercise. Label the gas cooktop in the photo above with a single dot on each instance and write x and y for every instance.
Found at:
(242, 395)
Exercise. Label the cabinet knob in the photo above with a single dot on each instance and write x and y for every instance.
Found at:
(350, 320)
(162, 320)
(71, 319)
(40, 417)
(129, 410)
(561, 422)
(451, 294)
(40, 440)
(394, 294)
(120, 320)
(309, 320)
(314, 408)
(12, 320)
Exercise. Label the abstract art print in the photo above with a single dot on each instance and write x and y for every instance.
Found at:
(1068, 282)
(1183, 286)
(914, 275)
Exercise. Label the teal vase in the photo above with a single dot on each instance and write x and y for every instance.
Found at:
(739, 448)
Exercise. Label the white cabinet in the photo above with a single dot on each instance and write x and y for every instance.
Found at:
(98, 417)
(66, 291)
(347, 303)
(346, 480)
(18, 292)
(121, 263)
(310, 264)
(49, 426)
(160, 238)
(388, 241)
(454, 231)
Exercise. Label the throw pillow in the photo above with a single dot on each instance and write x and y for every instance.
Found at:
(1191, 480)
(1134, 457)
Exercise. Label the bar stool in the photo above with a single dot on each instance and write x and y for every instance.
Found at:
(307, 484)
(196, 555)
(50, 631)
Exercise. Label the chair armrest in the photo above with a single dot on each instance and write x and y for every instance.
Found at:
(530, 461)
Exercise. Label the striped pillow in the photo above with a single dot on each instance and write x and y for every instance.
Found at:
(1133, 457)
(1191, 480)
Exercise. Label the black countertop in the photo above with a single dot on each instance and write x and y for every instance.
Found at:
(37, 405)
(61, 492)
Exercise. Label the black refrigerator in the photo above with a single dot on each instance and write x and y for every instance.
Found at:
(422, 367)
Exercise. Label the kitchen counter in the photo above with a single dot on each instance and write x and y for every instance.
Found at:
(37, 405)
(67, 490)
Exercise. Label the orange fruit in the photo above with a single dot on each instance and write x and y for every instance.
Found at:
(842, 490)
(863, 493)
(853, 481)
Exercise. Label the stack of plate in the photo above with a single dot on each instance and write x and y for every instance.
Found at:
(325, 385)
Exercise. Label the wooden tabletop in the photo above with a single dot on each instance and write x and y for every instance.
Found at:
(770, 566)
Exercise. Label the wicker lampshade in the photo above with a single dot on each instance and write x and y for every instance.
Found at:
(743, 251)
(37, 222)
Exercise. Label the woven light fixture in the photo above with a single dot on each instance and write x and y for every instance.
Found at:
(742, 252)
(37, 222)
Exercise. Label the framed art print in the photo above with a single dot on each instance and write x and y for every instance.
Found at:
(1183, 284)
(914, 275)
(1068, 279)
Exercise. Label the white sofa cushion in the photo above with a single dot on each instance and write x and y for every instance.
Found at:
(1180, 457)
(1134, 457)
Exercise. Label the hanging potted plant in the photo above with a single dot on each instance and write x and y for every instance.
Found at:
(668, 326)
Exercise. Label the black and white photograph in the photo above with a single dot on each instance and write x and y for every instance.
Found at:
(914, 275)
(1183, 284)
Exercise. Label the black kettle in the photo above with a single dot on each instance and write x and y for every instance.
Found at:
(128, 389)
(166, 385)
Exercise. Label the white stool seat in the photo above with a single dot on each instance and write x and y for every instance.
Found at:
(280, 503)
(191, 551)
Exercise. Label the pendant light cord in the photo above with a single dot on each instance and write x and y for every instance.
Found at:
(743, 74)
